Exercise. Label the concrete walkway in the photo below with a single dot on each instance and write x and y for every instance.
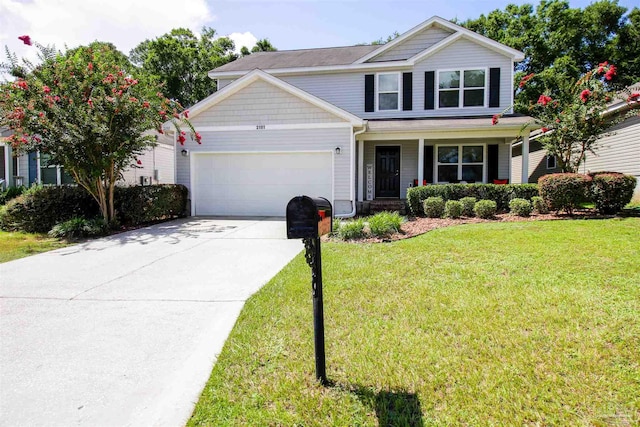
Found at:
(123, 331)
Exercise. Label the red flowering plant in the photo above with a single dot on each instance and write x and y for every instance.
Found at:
(575, 114)
(89, 112)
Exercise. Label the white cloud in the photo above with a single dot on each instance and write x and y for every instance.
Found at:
(125, 23)
(242, 39)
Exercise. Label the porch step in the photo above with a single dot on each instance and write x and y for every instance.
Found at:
(399, 206)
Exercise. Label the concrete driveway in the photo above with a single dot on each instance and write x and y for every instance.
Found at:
(123, 331)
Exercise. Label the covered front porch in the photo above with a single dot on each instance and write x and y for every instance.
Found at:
(395, 155)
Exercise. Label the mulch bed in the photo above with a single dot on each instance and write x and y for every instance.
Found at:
(415, 226)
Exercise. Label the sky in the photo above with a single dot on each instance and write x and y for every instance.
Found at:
(288, 24)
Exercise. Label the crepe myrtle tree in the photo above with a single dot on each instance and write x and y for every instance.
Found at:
(87, 111)
(574, 116)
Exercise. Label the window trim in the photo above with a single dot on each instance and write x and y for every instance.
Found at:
(555, 161)
(461, 89)
(436, 163)
(398, 75)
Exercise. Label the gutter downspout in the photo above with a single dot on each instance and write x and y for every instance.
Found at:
(353, 187)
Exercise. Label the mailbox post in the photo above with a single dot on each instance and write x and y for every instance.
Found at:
(308, 219)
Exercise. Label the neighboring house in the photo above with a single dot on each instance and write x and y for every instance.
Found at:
(617, 151)
(355, 124)
(156, 167)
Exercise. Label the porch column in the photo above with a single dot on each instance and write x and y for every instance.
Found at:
(360, 170)
(420, 161)
(525, 157)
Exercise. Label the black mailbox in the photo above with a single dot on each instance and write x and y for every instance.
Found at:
(309, 217)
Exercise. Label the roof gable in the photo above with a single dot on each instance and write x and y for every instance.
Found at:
(413, 45)
(442, 23)
(259, 75)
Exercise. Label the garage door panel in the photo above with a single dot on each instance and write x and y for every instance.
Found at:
(258, 184)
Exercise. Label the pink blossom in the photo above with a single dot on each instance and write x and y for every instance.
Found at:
(633, 97)
(90, 102)
(494, 120)
(139, 161)
(544, 100)
(198, 138)
(544, 130)
(525, 79)
(186, 114)
(90, 66)
(584, 95)
(601, 67)
(46, 89)
(610, 73)
(181, 139)
(25, 39)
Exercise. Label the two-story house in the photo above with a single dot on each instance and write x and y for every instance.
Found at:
(353, 124)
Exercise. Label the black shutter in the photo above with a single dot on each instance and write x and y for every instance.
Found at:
(428, 164)
(407, 91)
(494, 87)
(369, 93)
(492, 162)
(429, 90)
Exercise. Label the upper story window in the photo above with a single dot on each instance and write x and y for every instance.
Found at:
(462, 88)
(388, 95)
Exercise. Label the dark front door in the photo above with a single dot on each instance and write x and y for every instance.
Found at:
(387, 171)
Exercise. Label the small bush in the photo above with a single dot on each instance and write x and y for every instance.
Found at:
(520, 207)
(11, 193)
(539, 206)
(485, 209)
(143, 204)
(385, 223)
(467, 205)
(453, 209)
(433, 207)
(352, 229)
(564, 191)
(611, 191)
(76, 228)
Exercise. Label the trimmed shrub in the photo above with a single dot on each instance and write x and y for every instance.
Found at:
(611, 191)
(520, 207)
(453, 209)
(433, 207)
(352, 229)
(539, 205)
(39, 208)
(485, 209)
(144, 204)
(468, 204)
(385, 223)
(564, 191)
(76, 228)
(501, 194)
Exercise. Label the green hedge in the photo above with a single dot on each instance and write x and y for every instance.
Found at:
(564, 191)
(39, 209)
(501, 194)
(611, 191)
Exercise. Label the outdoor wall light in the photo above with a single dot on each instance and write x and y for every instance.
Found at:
(184, 152)
(337, 150)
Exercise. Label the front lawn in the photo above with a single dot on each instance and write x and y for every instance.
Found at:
(18, 245)
(532, 323)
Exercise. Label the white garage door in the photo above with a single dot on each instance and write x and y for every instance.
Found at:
(258, 184)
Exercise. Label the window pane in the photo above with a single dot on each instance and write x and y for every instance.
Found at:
(449, 98)
(388, 82)
(388, 101)
(449, 79)
(65, 177)
(472, 154)
(474, 97)
(448, 173)
(49, 175)
(474, 78)
(472, 173)
(447, 154)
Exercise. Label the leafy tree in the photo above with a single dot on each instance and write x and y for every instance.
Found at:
(576, 115)
(181, 61)
(263, 45)
(88, 111)
(561, 42)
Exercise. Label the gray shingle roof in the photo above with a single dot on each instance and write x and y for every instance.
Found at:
(298, 58)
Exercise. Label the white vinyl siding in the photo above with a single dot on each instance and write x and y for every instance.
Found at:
(159, 158)
(414, 45)
(617, 152)
(262, 103)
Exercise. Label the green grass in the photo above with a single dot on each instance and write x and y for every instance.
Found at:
(18, 245)
(532, 323)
